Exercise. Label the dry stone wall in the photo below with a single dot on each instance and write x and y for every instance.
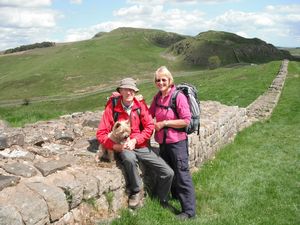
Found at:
(48, 174)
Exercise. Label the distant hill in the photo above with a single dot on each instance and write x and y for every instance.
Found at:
(229, 48)
(157, 37)
(99, 63)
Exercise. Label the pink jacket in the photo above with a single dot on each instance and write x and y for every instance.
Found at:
(161, 114)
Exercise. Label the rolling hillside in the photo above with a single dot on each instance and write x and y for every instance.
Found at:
(88, 66)
(80, 66)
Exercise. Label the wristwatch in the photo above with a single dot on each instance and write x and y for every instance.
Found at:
(166, 123)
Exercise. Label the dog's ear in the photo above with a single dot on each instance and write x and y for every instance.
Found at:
(117, 124)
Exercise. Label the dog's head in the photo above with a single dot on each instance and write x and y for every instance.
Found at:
(121, 130)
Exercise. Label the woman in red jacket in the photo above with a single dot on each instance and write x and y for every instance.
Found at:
(135, 148)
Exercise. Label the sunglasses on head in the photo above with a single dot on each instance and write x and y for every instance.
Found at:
(159, 80)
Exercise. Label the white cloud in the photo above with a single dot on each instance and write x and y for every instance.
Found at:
(134, 11)
(26, 17)
(24, 3)
(26, 22)
(174, 19)
(242, 34)
(294, 8)
(11, 37)
(87, 33)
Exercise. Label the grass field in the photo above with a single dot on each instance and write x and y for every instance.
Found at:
(232, 86)
(253, 181)
(79, 66)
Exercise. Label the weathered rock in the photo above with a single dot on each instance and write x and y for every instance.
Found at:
(32, 208)
(50, 149)
(17, 152)
(9, 215)
(3, 142)
(20, 169)
(72, 188)
(52, 166)
(64, 135)
(90, 184)
(54, 197)
(14, 137)
(92, 122)
(7, 181)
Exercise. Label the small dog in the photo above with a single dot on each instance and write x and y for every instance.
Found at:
(120, 132)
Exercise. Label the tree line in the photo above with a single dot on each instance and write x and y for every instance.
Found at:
(21, 48)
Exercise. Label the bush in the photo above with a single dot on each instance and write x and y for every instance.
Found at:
(28, 47)
(214, 62)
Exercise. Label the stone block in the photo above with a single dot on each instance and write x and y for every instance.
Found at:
(9, 215)
(19, 169)
(7, 181)
(52, 166)
(3, 142)
(32, 207)
(54, 197)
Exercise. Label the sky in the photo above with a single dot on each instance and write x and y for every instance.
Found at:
(25, 22)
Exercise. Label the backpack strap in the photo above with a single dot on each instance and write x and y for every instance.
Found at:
(116, 114)
(173, 104)
(159, 105)
(114, 103)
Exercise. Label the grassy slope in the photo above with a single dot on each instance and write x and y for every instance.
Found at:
(237, 86)
(95, 64)
(254, 180)
(65, 69)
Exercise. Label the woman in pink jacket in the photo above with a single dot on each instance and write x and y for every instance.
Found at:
(172, 140)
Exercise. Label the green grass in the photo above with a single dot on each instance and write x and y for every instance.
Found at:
(85, 66)
(232, 86)
(254, 180)
(68, 68)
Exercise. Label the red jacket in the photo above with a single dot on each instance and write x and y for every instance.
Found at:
(107, 122)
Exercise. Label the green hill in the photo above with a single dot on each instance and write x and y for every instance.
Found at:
(227, 47)
(82, 66)
(93, 65)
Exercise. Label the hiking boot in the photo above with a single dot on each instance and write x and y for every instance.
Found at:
(166, 205)
(184, 216)
(134, 200)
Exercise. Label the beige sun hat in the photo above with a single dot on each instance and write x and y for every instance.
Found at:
(128, 83)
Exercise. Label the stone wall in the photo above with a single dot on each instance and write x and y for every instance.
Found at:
(47, 169)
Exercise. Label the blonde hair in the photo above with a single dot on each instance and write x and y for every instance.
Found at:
(163, 70)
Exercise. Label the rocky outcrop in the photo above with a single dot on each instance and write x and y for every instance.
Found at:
(48, 174)
(229, 48)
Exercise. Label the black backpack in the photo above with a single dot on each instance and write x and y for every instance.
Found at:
(190, 91)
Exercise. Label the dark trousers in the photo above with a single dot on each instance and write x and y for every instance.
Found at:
(176, 155)
(164, 174)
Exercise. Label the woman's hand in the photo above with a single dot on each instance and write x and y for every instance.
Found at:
(159, 125)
